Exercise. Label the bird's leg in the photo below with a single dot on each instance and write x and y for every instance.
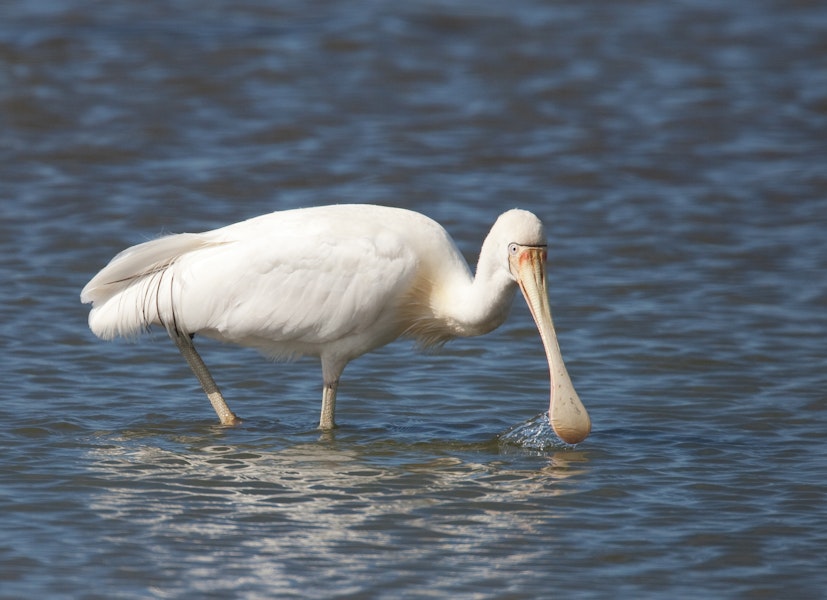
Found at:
(332, 367)
(185, 345)
(326, 422)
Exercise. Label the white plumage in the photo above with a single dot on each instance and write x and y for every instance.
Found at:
(333, 281)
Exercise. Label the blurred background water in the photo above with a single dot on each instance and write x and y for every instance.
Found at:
(675, 150)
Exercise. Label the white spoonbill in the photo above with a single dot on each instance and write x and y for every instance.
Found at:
(333, 282)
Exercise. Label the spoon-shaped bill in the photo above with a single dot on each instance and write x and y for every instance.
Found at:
(567, 414)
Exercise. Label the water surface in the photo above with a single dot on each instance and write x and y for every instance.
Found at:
(676, 152)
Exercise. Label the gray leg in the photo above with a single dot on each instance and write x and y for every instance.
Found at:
(184, 343)
(332, 368)
(327, 422)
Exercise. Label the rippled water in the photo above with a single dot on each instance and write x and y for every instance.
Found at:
(676, 151)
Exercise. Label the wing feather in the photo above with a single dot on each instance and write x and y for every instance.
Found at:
(293, 289)
(282, 283)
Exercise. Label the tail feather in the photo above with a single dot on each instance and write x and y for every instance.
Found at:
(126, 295)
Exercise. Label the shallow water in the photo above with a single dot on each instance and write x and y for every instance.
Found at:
(676, 152)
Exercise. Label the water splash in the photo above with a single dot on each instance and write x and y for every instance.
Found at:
(534, 434)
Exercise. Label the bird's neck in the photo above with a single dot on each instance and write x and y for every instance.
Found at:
(483, 303)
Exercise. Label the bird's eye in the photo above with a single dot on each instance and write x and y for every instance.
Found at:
(513, 248)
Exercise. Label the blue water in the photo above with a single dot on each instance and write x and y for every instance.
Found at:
(676, 152)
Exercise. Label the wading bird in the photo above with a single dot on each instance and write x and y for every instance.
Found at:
(333, 282)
